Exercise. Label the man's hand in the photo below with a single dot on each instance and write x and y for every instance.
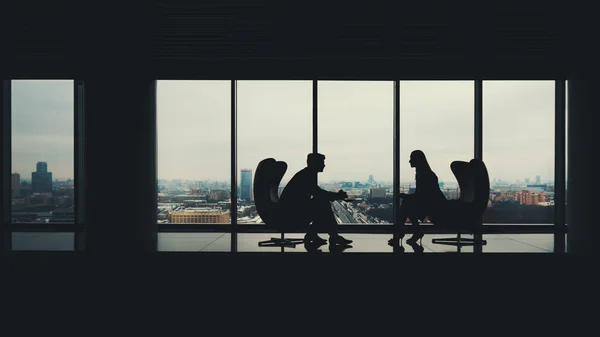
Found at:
(342, 195)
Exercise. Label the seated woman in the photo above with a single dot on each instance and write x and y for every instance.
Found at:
(427, 201)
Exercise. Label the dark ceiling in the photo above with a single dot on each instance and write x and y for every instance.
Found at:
(283, 41)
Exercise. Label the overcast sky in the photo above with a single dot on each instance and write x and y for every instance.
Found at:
(42, 127)
(275, 120)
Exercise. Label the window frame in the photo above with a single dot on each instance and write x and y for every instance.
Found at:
(558, 228)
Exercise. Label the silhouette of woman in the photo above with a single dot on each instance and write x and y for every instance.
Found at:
(427, 201)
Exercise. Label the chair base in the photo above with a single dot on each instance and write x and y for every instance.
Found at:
(458, 241)
(278, 242)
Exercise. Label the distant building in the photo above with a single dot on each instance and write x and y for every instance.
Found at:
(537, 188)
(527, 197)
(218, 195)
(200, 215)
(41, 179)
(246, 185)
(377, 193)
(16, 185)
(63, 215)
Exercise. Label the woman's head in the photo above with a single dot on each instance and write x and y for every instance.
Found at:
(418, 160)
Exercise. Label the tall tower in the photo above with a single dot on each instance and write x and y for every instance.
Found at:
(246, 185)
(41, 166)
(41, 179)
(538, 180)
(16, 185)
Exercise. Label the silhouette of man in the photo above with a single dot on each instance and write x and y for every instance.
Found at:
(309, 204)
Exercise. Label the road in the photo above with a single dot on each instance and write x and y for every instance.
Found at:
(344, 215)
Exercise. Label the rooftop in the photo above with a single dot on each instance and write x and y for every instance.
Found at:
(201, 210)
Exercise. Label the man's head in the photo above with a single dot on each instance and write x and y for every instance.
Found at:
(315, 161)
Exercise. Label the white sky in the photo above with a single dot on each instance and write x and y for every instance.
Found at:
(275, 120)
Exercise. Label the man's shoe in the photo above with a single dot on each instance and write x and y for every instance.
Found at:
(313, 247)
(413, 239)
(314, 238)
(338, 248)
(339, 240)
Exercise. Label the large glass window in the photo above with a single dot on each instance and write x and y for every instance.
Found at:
(274, 120)
(355, 133)
(194, 149)
(42, 180)
(518, 148)
(436, 117)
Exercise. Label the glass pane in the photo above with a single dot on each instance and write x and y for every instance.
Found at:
(436, 117)
(356, 136)
(274, 121)
(518, 148)
(42, 151)
(43, 241)
(194, 151)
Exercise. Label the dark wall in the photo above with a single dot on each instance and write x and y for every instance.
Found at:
(375, 40)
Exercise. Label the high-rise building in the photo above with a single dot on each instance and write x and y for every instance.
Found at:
(41, 180)
(41, 166)
(16, 185)
(246, 185)
(538, 180)
(377, 193)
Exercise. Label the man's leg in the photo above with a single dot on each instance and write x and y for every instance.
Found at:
(324, 221)
(312, 232)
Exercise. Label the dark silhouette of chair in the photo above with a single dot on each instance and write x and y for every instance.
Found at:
(466, 213)
(267, 177)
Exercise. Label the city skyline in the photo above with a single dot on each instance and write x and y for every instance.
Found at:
(522, 181)
(275, 120)
(43, 126)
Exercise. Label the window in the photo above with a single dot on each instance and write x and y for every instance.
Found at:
(42, 178)
(274, 120)
(194, 147)
(518, 149)
(355, 133)
(436, 117)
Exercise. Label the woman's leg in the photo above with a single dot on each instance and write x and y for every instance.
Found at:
(417, 213)
(406, 212)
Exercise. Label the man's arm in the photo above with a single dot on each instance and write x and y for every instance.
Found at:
(319, 193)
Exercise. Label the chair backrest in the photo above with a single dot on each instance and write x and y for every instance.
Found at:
(462, 172)
(474, 183)
(482, 186)
(267, 177)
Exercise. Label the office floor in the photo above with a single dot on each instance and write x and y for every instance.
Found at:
(363, 243)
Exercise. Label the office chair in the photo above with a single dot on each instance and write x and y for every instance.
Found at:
(267, 177)
(466, 213)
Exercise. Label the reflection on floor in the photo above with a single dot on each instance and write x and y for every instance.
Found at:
(221, 242)
(497, 243)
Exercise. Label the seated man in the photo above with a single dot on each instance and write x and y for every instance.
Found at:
(307, 203)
